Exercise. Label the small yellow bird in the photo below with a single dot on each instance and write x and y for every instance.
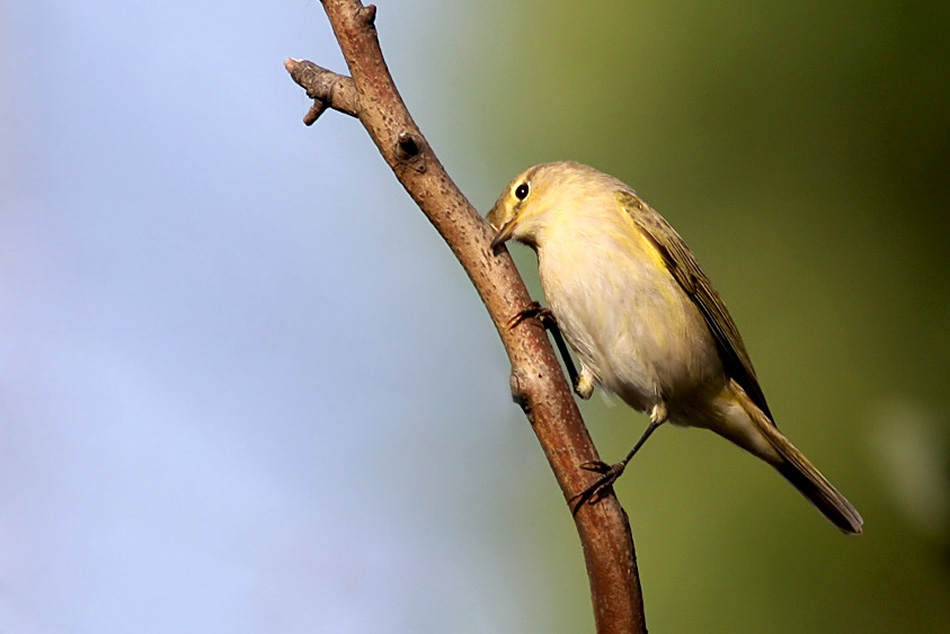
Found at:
(645, 321)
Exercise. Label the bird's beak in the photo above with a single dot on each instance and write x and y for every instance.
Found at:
(503, 235)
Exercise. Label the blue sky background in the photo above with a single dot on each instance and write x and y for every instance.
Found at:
(234, 355)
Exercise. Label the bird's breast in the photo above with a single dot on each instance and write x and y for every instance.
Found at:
(627, 318)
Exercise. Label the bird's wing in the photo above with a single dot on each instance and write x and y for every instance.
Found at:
(685, 269)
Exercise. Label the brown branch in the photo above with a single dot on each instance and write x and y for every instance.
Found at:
(537, 382)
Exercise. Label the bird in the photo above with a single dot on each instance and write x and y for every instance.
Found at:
(645, 322)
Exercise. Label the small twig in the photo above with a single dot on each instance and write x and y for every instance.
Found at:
(326, 88)
(537, 382)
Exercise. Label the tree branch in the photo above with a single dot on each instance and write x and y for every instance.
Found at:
(537, 382)
(326, 88)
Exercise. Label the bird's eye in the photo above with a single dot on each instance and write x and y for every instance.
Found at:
(522, 191)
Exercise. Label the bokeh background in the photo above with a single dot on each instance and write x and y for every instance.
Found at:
(245, 388)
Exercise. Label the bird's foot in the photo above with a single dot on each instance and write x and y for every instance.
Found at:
(532, 310)
(583, 382)
(599, 489)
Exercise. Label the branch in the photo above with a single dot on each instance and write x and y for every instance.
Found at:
(326, 88)
(537, 382)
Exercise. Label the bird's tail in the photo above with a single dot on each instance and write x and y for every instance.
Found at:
(794, 466)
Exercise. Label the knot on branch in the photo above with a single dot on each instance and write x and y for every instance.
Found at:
(409, 151)
(368, 14)
(520, 395)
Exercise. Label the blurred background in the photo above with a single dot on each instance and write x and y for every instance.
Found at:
(244, 387)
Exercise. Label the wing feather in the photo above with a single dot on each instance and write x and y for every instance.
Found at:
(685, 269)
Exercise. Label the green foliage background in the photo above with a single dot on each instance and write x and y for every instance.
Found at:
(803, 150)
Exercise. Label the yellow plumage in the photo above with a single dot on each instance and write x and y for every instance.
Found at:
(644, 320)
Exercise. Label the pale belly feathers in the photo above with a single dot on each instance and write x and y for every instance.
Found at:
(630, 323)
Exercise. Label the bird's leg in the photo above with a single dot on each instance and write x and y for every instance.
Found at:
(582, 383)
(610, 473)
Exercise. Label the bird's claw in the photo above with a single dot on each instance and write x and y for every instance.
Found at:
(532, 310)
(597, 466)
(599, 489)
